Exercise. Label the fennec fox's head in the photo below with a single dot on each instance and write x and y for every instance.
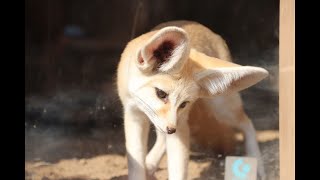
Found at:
(172, 76)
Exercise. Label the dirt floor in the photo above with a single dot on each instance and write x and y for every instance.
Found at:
(99, 154)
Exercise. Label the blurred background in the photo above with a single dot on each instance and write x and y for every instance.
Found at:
(73, 117)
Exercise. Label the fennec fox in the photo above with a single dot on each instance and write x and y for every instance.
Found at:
(172, 75)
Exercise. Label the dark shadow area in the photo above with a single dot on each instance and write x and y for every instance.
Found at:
(261, 106)
(57, 143)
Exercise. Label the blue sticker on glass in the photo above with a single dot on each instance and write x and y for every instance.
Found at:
(240, 169)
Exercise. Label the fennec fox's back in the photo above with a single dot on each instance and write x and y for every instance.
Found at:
(180, 77)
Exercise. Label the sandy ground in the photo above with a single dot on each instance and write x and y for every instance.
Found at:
(56, 153)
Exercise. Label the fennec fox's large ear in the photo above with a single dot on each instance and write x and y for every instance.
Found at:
(217, 77)
(166, 51)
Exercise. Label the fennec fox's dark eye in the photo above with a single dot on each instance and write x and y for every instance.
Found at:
(161, 94)
(182, 105)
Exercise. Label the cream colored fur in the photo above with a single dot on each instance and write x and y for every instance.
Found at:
(191, 64)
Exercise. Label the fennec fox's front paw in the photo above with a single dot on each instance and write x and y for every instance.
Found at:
(151, 168)
(151, 177)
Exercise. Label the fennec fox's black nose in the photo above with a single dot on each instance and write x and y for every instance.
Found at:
(171, 130)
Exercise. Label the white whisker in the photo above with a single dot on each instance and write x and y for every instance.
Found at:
(149, 112)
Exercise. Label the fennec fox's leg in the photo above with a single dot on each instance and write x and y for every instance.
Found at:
(136, 134)
(229, 110)
(156, 153)
(177, 146)
(178, 152)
